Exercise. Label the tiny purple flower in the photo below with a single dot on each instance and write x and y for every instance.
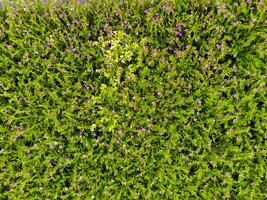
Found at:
(260, 3)
(106, 26)
(179, 52)
(234, 96)
(101, 31)
(235, 69)
(147, 11)
(179, 33)
(199, 102)
(180, 24)
(156, 19)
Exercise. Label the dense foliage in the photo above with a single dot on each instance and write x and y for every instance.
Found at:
(133, 100)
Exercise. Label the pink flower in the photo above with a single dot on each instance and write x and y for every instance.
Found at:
(235, 23)
(180, 24)
(156, 19)
(147, 11)
(101, 32)
(105, 26)
(168, 7)
(178, 52)
(179, 33)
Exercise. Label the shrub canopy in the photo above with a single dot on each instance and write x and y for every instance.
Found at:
(133, 100)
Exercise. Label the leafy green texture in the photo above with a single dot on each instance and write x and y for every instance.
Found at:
(133, 100)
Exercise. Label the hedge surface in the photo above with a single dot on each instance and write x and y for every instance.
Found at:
(133, 100)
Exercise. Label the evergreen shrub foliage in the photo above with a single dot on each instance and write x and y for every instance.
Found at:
(133, 99)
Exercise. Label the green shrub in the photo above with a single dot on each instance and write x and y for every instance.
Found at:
(133, 100)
